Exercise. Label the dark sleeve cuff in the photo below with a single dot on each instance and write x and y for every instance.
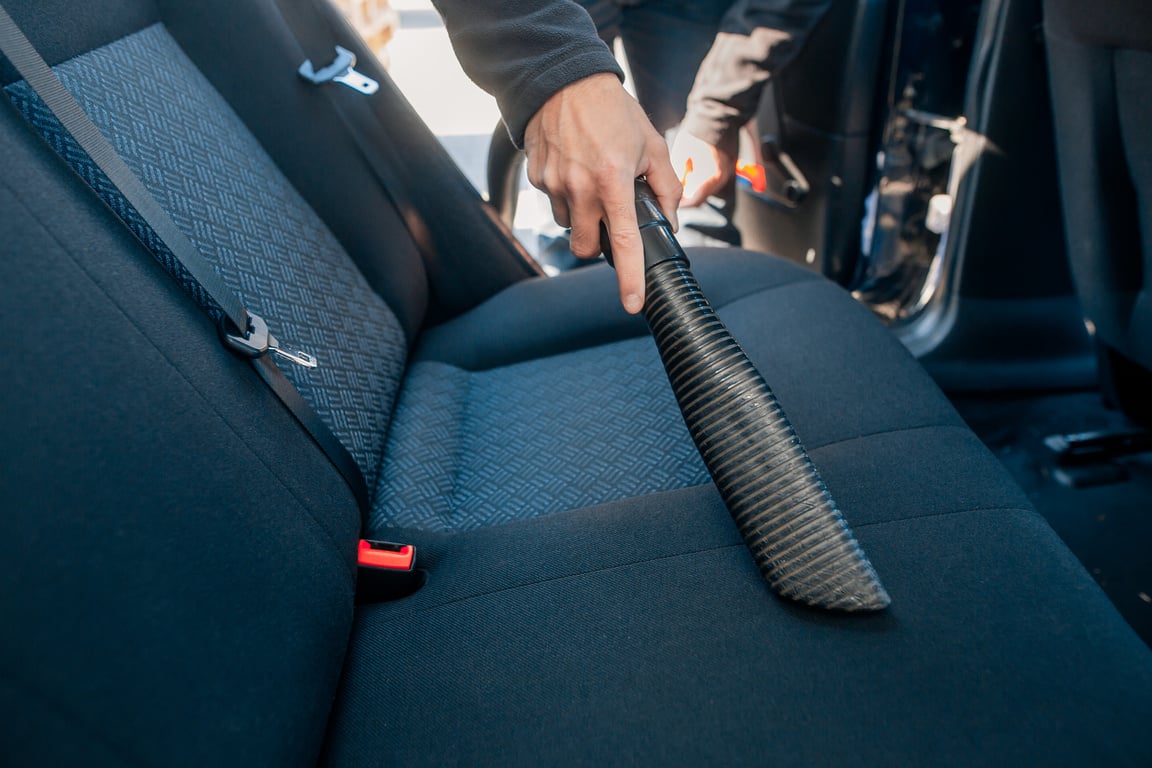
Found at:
(523, 51)
(520, 104)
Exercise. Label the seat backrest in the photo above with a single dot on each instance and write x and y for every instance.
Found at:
(175, 555)
(219, 606)
(1100, 58)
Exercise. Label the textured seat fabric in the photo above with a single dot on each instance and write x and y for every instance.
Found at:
(178, 556)
(478, 448)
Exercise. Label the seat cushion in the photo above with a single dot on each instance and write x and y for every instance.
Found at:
(549, 397)
(479, 448)
(641, 633)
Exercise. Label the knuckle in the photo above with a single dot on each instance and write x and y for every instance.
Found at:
(579, 186)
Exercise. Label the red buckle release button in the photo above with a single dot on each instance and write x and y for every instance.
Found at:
(386, 555)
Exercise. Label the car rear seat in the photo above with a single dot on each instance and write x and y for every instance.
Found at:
(178, 557)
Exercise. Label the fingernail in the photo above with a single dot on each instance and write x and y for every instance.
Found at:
(633, 303)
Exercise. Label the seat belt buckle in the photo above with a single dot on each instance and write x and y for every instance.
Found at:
(386, 556)
(386, 571)
(340, 71)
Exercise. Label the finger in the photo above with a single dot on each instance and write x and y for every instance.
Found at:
(542, 177)
(627, 251)
(701, 187)
(702, 190)
(560, 212)
(586, 217)
(537, 166)
(662, 178)
(695, 194)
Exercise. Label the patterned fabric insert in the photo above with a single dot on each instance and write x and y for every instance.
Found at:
(470, 449)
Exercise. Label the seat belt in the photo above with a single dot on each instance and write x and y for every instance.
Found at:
(120, 189)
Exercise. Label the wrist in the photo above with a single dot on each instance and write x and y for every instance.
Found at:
(590, 87)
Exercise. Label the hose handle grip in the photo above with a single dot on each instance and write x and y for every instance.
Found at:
(656, 234)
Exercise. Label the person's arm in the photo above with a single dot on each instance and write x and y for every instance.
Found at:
(756, 39)
(559, 90)
(523, 51)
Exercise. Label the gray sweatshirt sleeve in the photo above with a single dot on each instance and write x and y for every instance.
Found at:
(756, 39)
(523, 51)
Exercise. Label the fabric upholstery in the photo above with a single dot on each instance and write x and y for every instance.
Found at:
(641, 633)
(178, 556)
(477, 448)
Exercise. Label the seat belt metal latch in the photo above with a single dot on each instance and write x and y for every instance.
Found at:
(340, 71)
(258, 342)
(384, 555)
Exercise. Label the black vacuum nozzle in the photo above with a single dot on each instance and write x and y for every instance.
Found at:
(789, 521)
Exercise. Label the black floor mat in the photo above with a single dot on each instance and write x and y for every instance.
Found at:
(1107, 526)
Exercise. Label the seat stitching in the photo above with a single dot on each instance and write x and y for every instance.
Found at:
(797, 280)
(948, 513)
(61, 707)
(895, 430)
(577, 574)
(716, 548)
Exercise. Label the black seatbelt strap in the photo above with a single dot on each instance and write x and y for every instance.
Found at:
(241, 331)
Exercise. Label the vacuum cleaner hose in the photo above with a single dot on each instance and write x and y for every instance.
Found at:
(797, 536)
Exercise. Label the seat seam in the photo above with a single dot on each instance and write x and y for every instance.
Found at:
(893, 431)
(628, 336)
(54, 704)
(796, 280)
(949, 513)
(702, 550)
(577, 574)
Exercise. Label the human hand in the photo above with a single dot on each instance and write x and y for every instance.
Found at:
(586, 146)
(703, 168)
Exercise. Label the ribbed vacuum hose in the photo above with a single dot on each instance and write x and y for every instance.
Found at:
(791, 524)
